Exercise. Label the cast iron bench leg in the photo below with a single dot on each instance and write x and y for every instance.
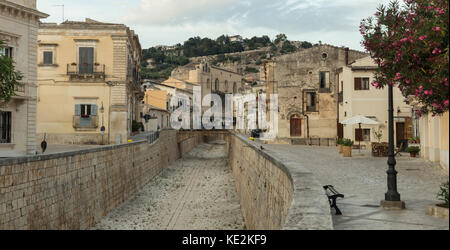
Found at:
(334, 205)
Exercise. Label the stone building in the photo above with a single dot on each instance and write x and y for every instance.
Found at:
(19, 21)
(357, 96)
(307, 91)
(89, 78)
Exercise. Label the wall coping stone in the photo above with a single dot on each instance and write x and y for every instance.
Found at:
(33, 158)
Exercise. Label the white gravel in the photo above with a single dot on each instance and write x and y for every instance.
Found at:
(197, 193)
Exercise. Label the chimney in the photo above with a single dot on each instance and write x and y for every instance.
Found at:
(346, 56)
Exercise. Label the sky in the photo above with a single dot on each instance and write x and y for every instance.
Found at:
(168, 22)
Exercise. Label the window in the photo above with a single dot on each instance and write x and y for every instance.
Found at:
(311, 102)
(7, 51)
(362, 134)
(216, 85)
(48, 57)
(208, 84)
(86, 115)
(5, 127)
(324, 56)
(362, 83)
(324, 80)
(234, 88)
(86, 60)
(226, 86)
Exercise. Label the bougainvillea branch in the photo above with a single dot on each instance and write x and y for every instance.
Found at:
(410, 43)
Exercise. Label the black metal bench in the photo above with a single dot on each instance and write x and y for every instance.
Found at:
(333, 194)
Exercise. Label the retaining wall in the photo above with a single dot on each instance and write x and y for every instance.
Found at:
(76, 189)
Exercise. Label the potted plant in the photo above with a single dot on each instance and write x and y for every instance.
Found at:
(441, 210)
(347, 147)
(340, 143)
(413, 151)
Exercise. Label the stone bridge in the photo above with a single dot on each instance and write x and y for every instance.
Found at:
(76, 190)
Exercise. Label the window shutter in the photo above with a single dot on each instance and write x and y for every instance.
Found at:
(77, 109)
(94, 109)
(358, 135)
(48, 57)
(358, 83)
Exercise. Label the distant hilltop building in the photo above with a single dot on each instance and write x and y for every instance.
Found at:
(166, 48)
(236, 38)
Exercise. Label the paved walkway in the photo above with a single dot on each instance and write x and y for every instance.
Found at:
(195, 193)
(363, 181)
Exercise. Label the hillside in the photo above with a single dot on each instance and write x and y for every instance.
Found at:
(234, 53)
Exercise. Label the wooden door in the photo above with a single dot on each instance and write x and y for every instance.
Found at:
(296, 126)
(400, 132)
(340, 131)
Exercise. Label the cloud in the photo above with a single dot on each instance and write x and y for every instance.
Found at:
(176, 12)
(174, 21)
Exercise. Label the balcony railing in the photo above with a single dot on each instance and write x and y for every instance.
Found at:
(19, 90)
(90, 122)
(86, 71)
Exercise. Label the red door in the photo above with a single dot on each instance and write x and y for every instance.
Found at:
(296, 126)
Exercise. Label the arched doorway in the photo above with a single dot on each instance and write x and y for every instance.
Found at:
(296, 125)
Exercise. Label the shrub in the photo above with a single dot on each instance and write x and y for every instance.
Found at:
(340, 141)
(136, 126)
(348, 142)
(413, 150)
(443, 193)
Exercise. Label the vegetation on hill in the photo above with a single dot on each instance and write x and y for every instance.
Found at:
(164, 60)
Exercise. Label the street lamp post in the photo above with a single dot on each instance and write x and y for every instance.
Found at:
(392, 197)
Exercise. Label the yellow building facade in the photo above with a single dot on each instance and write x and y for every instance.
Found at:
(89, 82)
(357, 96)
(434, 138)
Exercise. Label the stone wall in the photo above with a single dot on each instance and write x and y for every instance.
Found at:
(74, 190)
(276, 194)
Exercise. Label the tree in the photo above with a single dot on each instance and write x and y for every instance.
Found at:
(410, 44)
(280, 38)
(9, 77)
(306, 45)
(288, 47)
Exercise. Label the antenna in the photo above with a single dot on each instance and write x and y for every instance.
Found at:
(62, 6)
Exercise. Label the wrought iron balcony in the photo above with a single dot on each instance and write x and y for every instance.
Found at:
(88, 122)
(19, 90)
(86, 71)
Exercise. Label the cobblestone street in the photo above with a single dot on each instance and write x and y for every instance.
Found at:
(363, 182)
(195, 193)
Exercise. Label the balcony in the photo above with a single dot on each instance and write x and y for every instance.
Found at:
(341, 97)
(88, 122)
(19, 90)
(86, 71)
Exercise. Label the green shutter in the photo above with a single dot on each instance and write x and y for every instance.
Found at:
(78, 109)
(94, 109)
